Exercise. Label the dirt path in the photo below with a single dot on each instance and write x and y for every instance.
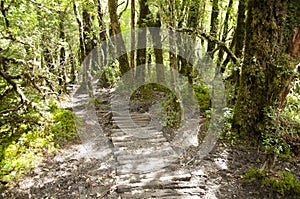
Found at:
(116, 164)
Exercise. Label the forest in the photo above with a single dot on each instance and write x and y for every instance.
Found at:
(149, 99)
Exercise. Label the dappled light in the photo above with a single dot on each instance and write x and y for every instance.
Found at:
(147, 99)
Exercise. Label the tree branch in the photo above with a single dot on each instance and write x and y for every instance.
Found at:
(15, 86)
(220, 44)
(123, 9)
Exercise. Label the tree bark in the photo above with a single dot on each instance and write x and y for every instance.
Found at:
(81, 38)
(224, 35)
(62, 73)
(158, 53)
(87, 31)
(193, 21)
(119, 42)
(102, 33)
(132, 53)
(241, 29)
(214, 22)
(237, 45)
(142, 41)
(266, 67)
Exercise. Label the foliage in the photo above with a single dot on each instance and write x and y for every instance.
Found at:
(254, 174)
(227, 130)
(283, 127)
(111, 76)
(35, 140)
(283, 182)
(203, 97)
(169, 112)
(62, 125)
(24, 153)
(43, 43)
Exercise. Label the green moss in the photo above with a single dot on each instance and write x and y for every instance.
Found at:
(283, 183)
(62, 127)
(203, 97)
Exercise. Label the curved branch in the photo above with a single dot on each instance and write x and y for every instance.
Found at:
(123, 9)
(219, 43)
(15, 86)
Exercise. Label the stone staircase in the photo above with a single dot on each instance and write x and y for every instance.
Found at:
(147, 166)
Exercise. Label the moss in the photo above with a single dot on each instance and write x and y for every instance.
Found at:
(203, 97)
(62, 127)
(283, 182)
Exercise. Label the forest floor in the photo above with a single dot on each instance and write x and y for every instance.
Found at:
(76, 172)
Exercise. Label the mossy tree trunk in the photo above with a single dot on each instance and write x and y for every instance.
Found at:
(225, 34)
(142, 41)
(119, 42)
(194, 16)
(62, 73)
(158, 53)
(237, 46)
(267, 67)
(214, 23)
(132, 53)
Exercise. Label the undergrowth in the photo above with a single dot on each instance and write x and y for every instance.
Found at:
(170, 111)
(36, 140)
(282, 182)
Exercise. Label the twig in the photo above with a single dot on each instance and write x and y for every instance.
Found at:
(123, 9)
(219, 43)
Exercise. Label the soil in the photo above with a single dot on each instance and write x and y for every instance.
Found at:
(76, 172)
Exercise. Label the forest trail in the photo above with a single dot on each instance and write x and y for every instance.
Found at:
(148, 166)
(124, 166)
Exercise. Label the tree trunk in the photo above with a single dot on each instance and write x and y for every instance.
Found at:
(142, 42)
(214, 22)
(241, 29)
(102, 33)
(239, 40)
(193, 21)
(266, 67)
(62, 58)
(132, 53)
(224, 35)
(87, 31)
(237, 46)
(172, 43)
(81, 38)
(116, 30)
(158, 53)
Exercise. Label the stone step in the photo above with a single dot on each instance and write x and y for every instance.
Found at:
(162, 151)
(137, 133)
(159, 185)
(191, 193)
(129, 138)
(144, 168)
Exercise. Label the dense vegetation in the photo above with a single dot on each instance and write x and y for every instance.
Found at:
(254, 43)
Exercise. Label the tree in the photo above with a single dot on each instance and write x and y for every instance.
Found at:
(119, 42)
(158, 53)
(132, 53)
(142, 41)
(267, 64)
(214, 22)
(225, 35)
